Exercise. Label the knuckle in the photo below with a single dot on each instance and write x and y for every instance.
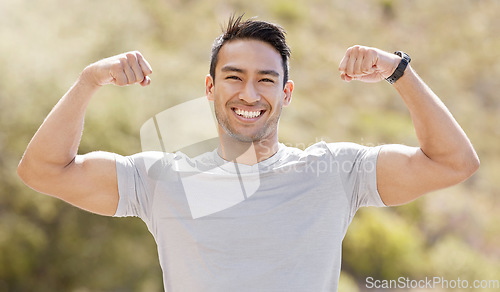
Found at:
(131, 56)
(116, 67)
(123, 61)
(122, 56)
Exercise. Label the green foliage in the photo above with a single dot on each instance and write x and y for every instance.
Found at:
(378, 245)
(47, 245)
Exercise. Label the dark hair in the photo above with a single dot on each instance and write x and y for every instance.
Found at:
(252, 29)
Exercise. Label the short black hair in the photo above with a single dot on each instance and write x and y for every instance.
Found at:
(270, 33)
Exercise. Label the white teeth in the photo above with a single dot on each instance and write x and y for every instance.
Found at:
(247, 114)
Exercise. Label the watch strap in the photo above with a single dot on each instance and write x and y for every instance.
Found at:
(400, 70)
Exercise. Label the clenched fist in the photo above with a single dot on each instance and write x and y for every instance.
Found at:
(124, 69)
(367, 64)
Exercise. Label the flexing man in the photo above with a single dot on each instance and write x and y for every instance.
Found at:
(284, 232)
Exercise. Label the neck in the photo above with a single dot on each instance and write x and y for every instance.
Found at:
(249, 153)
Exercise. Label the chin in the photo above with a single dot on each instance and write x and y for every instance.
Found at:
(246, 138)
(249, 133)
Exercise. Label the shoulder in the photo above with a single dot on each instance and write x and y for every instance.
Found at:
(346, 148)
(322, 147)
(322, 150)
(341, 151)
(177, 161)
(147, 157)
(335, 149)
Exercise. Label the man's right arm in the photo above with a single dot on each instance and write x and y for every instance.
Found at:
(50, 163)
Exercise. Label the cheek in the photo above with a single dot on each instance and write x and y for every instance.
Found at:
(270, 90)
(226, 91)
(276, 97)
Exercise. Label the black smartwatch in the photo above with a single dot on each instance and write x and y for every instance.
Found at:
(400, 70)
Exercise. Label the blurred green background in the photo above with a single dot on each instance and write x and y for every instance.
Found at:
(47, 245)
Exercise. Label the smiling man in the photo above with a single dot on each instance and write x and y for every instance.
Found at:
(253, 214)
(250, 94)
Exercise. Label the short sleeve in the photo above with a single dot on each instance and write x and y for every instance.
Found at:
(358, 172)
(135, 195)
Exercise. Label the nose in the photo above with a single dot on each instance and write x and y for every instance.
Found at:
(249, 93)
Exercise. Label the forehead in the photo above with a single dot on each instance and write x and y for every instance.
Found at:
(249, 55)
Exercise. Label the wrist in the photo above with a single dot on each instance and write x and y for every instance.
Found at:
(407, 78)
(404, 61)
(87, 78)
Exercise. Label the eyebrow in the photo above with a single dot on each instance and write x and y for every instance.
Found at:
(239, 70)
(232, 69)
(269, 72)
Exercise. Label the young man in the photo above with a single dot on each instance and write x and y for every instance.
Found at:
(252, 215)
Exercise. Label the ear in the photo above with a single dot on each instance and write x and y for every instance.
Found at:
(288, 93)
(209, 87)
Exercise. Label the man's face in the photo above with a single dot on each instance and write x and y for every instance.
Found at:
(248, 91)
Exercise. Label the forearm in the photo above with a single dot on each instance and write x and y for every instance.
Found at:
(55, 144)
(440, 136)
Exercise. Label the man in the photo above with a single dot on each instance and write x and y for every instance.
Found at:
(252, 215)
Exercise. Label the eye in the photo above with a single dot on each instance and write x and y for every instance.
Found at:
(234, 77)
(267, 80)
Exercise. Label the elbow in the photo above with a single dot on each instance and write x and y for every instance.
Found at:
(474, 164)
(31, 174)
(39, 175)
(24, 172)
(469, 166)
(21, 170)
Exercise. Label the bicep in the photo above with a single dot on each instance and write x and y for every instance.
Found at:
(406, 173)
(90, 183)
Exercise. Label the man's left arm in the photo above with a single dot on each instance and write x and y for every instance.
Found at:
(445, 156)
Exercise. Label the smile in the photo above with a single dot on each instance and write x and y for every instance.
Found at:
(247, 114)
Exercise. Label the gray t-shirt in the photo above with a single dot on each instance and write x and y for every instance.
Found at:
(274, 226)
